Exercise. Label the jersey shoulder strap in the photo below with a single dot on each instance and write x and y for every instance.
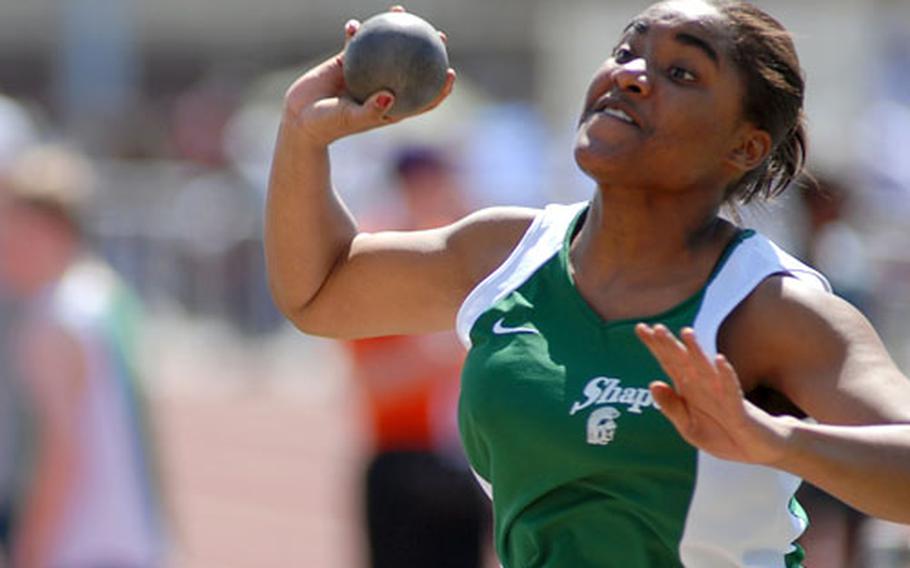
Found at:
(754, 260)
(540, 242)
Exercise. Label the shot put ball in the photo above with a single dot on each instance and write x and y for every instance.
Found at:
(398, 52)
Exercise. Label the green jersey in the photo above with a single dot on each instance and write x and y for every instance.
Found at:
(563, 434)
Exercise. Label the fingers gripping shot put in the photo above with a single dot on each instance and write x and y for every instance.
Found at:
(616, 346)
(400, 53)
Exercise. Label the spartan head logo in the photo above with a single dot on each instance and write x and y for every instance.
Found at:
(602, 425)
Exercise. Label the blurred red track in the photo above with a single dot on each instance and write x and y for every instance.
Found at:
(260, 479)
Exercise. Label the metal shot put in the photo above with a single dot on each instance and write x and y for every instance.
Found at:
(398, 52)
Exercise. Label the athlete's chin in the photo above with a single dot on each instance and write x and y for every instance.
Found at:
(597, 161)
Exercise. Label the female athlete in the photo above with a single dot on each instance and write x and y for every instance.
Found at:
(636, 363)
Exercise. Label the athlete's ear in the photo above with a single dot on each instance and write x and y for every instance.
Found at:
(752, 147)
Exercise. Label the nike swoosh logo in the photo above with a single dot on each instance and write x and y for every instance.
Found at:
(500, 329)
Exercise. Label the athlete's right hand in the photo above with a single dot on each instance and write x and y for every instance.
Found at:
(318, 105)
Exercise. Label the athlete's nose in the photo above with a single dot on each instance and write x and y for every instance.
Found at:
(632, 77)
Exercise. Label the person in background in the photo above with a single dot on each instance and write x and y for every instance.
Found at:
(422, 506)
(18, 131)
(831, 245)
(88, 499)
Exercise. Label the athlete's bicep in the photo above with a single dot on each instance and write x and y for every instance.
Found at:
(824, 355)
(399, 282)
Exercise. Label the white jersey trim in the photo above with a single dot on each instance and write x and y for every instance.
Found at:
(750, 263)
(727, 525)
(541, 241)
(484, 484)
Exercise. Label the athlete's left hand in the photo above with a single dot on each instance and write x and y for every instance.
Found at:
(706, 402)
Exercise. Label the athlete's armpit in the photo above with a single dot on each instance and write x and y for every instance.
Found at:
(818, 351)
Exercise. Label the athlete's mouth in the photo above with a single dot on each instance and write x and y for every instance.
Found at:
(616, 109)
(619, 114)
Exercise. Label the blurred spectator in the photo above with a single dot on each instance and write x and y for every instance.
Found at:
(215, 219)
(834, 247)
(17, 130)
(832, 244)
(201, 115)
(88, 499)
(423, 507)
(507, 157)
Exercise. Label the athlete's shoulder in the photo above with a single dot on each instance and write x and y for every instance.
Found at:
(786, 320)
(489, 236)
(784, 288)
(500, 216)
(516, 218)
(485, 238)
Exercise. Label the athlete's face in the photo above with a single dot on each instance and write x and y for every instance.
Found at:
(665, 110)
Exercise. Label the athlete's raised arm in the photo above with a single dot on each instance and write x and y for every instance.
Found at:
(828, 360)
(326, 276)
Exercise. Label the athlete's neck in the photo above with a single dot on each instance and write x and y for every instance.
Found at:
(639, 238)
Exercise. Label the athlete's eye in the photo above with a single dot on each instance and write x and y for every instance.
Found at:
(680, 74)
(622, 54)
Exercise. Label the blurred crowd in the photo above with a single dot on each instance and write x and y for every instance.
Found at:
(152, 212)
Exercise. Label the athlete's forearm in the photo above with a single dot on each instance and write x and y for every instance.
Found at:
(307, 227)
(866, 466)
